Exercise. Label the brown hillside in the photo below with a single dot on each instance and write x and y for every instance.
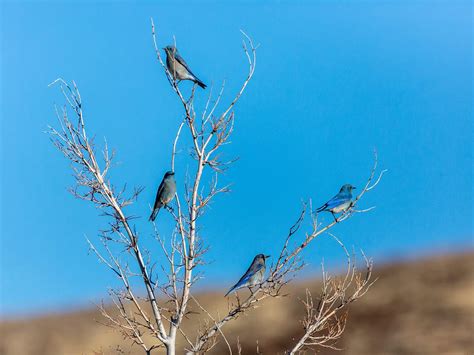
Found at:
(422, 307)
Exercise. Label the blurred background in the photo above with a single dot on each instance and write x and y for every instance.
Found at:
(334, 80)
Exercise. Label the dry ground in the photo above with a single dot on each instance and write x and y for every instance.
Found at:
(421, 307)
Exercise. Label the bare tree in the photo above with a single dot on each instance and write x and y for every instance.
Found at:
(156, 320)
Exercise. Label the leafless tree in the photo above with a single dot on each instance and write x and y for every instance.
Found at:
(156, 320)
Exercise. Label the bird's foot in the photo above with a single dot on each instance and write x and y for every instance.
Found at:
(170, 209)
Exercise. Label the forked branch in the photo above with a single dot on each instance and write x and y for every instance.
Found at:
(325, 319)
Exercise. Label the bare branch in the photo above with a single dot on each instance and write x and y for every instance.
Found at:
(74, 143)
(325, 321)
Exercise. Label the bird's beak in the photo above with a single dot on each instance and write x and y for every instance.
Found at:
(353, 187)
(267, 256)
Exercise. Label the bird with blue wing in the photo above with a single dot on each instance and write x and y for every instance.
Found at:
(165, 193)
(254, 274)
(339, 203)
(178, 68)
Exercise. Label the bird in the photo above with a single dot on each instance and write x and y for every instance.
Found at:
(254, 274)
(339, 203)
(165, 193)
(178, 68)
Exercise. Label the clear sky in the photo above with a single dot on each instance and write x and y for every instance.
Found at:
(333, 81)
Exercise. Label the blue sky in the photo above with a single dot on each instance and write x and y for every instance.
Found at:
(333, 81)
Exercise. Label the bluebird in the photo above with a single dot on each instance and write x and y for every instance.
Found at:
(253, 276)
(179, 68)
(165, 193)
(339, 203)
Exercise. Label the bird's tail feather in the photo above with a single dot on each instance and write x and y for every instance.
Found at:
(200, 83)
(154, 214)
(233, 288)
(322, 208)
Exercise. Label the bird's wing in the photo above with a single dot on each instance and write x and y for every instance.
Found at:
(183, 63)
(337, 201)
(158, 194)
(252, 270)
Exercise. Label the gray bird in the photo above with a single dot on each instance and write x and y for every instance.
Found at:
(165, 193)
(339, 203)
(178, 68)
(253, 276)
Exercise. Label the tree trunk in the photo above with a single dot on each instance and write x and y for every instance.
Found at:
(171, 348)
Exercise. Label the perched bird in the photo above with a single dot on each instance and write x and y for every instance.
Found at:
(253, 276)
(179, 68)
(339, 203)
(165, 193)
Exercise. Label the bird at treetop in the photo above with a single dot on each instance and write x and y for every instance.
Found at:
(178, 68)
(339, 203)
